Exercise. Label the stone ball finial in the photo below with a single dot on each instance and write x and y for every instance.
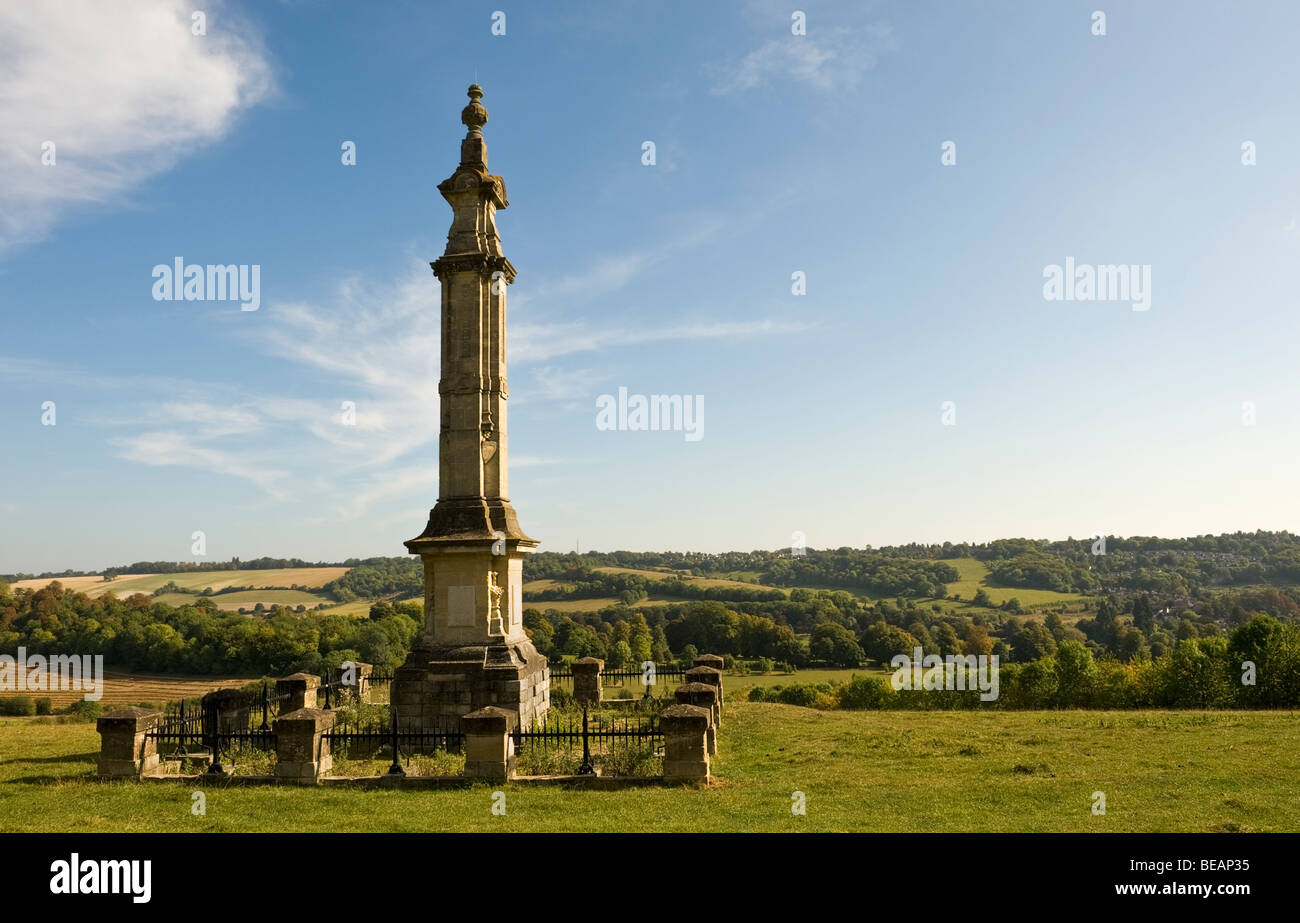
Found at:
(474, 115)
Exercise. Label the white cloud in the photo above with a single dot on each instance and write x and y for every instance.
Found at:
(169, 448)
(541, 342)
(123, 90)
(826, 59)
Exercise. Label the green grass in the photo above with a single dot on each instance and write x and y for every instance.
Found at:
(890, 771)
(740, 685)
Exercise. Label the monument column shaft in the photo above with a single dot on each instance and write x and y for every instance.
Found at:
(473, 447)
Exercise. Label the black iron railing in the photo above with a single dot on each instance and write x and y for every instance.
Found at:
(593, 731)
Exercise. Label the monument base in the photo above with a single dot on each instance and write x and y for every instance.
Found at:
(437, 685)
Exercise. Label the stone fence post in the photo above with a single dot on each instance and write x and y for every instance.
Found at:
(710, 675)
(231, 707)
(586, 680)
(686, 749)
(124, 750)
(489, 749)
(704, 696)
(302, 754)
(355, 679)
(709, 660)
(300, 689)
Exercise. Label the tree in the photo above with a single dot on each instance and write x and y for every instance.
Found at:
(1076, 674)
(640, 640)
(945, 638)
(620, 655)
(1144, 618)
(836, 645)
(1130, 644)
(883, 641)
(1032, 641)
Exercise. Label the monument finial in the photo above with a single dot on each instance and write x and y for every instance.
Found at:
(474, 115)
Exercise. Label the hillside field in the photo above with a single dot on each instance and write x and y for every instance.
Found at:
(126, 584)
(973, 573)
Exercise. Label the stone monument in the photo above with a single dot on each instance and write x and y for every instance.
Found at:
(473, 651)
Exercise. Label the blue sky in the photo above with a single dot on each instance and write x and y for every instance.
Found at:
(776, 153)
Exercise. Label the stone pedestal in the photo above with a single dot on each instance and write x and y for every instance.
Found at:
(436, 687)
(489, 750)
(704, 696)
(709, 660)
(302, 754)
(300, 689)
(356, 679)
(586, 680)
(232, 708)
(709, 675)
(686, 753)
(124, 749)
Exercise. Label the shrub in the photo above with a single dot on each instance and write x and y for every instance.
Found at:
(807, 695)
(864, 692)
(44, 705)
(17, 705)
(84, 710)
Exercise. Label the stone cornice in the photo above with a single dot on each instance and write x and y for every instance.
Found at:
(483, 263)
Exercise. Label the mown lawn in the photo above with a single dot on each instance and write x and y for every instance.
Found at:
(877, 771)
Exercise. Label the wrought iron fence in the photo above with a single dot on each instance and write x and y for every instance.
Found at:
(199, 729)
(362, 739)
(332, 692)
(664, 678)
(597, 733)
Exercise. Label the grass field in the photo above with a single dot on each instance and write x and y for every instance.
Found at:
(127, 584)
(740, 685)
(975, 576)
(890, 771)
(666, 574)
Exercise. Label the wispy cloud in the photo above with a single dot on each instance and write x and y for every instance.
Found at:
(123, 90)
(826, 58)
(164, 449)
(541, 342)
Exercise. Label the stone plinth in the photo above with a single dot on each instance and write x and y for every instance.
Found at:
(708, 675)
(300, 689)
(704, 696)
(586, 680)
(232, 709)
(124, 750)
(302, 754)
(709, 660)
(686, 751)
(489, 750)
(437, 687)
(356, 680)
